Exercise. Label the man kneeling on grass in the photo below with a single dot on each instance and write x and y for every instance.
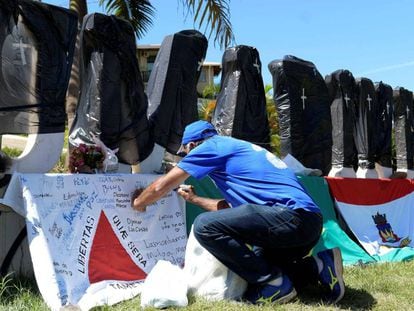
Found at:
(271, 226)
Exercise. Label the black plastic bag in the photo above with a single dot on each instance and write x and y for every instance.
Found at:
(112, 104)
(403, 125)
(172, 87)
(385, 117)
(37, 44)
(303, 105)
(241, 104)
(343, 95)
(367, 124)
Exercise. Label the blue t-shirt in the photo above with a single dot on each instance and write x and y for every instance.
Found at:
(247, 173)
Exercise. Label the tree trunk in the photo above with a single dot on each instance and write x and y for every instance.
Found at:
(80, 7)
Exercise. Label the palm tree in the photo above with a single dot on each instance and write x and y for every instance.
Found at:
(213, 15)
(273, 120)
(81, 8)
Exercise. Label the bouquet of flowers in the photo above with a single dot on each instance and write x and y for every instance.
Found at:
(86, 159)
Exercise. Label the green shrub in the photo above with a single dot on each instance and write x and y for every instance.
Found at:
(12, 152)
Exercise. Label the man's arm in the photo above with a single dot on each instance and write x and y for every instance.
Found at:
(159, 188)
(208, 204)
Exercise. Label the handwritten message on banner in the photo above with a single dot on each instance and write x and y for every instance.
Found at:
(88, 246)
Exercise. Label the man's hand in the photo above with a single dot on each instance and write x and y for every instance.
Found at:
(134, 202)
(187, 192)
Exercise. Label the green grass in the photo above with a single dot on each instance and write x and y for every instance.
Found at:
(12, 152)
(60, 165)
(374, 287)
(20, 294)
(58, 168)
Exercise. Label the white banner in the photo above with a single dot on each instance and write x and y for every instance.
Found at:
(88, 246)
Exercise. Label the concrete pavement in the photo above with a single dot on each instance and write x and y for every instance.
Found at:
(13, 141)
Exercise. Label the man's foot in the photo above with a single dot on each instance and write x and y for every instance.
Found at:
(268, 293)
(330, 276)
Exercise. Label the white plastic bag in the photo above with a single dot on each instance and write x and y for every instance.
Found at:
(209, 278)
(165, 286)
(110, 163)
(298, 167)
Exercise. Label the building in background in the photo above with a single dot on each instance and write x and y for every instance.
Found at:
(146, 58)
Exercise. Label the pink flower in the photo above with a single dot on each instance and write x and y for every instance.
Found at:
(86, 158)
(82, 148)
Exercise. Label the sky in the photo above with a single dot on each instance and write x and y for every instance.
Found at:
(370, 38)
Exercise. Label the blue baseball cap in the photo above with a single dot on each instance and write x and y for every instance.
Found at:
(196, 131)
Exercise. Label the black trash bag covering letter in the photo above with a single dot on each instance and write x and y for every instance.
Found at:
(241, 104)
(343, 96)
(403, 126)
(37, 44)
(303, 106)
(112, 104)
(172, 87)
(367, 123)
(385, 114)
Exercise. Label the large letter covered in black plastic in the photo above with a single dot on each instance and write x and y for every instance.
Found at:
(366, 123)
(172, 87)
(343, 95)
(303, 106)
(403, 124)
(112, 104)
(37, 44)
(241, 104)
(385, 101)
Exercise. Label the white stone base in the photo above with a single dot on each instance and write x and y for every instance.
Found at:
(345, 172)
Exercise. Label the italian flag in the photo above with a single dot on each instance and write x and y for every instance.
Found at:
(380, 213)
